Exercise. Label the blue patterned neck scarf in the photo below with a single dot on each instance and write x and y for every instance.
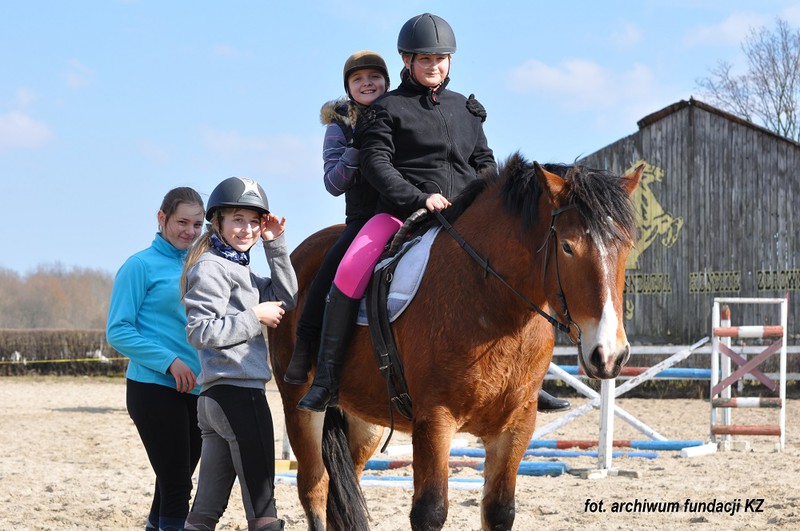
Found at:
(241, 258)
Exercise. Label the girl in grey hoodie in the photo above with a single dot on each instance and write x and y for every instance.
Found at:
(226, 305)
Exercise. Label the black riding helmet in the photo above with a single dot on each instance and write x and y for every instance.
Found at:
(364, 59)
(426, 34)
(238, 192)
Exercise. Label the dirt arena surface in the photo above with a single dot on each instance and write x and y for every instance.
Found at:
(70, 459)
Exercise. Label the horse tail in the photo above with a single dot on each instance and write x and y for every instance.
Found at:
(347, 508)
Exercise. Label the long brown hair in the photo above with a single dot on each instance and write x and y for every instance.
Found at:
(177, 196)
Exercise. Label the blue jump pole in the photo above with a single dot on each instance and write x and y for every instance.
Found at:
(645, 444)
(478, 452)
(526, 468)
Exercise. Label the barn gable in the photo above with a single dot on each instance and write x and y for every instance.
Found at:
(718, 215)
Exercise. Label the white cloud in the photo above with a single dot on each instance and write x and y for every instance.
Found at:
(78, 75)
(579, 85)
(20, 131)
(730, 32)
(226, 51)
(792, 15)
(154, 152)
(280, 155)
(627, 36)
(24, 97)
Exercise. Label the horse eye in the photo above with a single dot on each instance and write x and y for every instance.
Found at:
(567, 248)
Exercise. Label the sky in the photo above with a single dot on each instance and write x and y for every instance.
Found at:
(106, 105)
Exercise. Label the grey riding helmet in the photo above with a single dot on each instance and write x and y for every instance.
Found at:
(238, 192)
(426, 34)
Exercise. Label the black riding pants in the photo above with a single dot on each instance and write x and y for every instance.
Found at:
(167, 424)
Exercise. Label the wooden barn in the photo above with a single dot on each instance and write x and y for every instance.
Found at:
(718, 215)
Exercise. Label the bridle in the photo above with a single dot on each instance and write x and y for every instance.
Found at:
(552, 234)
(487, 269)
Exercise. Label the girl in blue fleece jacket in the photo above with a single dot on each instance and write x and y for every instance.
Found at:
(147, 324)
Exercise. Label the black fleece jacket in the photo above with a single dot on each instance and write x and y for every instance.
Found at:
(418, 142)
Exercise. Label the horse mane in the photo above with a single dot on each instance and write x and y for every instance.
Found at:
(600, 198)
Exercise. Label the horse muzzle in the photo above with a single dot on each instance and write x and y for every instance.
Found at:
(603, 363)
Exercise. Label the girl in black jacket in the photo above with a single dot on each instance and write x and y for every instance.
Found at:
(420, 145)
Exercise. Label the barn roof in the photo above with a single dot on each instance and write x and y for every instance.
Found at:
(675, 107)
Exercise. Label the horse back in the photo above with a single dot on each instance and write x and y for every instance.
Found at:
(308, 256)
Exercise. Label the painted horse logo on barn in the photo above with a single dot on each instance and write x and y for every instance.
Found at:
(652, 221)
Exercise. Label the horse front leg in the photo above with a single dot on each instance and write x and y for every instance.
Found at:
(503, 455)
(431, 438)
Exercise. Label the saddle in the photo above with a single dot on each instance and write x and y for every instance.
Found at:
(378, 315)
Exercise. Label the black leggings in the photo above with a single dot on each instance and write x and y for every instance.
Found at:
(167, 424)
(309, 325)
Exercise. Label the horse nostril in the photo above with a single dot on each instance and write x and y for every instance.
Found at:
(596, 358)
(626, 354)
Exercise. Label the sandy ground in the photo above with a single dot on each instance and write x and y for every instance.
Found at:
(70, 458)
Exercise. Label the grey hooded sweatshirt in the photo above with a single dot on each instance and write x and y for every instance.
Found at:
(221, 324)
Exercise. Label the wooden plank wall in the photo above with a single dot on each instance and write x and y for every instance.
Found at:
(718, 215)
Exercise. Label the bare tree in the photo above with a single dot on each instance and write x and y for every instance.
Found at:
(768, 93)
(53, 296)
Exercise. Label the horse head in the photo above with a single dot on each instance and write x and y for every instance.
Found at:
(590, 233)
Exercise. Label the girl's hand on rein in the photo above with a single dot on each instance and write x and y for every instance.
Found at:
(271, 226)
(436, 202)
(269, 313)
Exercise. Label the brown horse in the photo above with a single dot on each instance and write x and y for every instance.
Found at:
(474, 354)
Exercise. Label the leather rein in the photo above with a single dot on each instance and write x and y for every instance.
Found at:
(487, 269)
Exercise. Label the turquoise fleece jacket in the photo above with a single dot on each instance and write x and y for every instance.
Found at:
(219, 300)
(146, 321)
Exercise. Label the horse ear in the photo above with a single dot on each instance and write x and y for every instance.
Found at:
(549, 181)
(631, 181)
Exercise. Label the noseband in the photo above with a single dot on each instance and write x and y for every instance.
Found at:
(484, 263)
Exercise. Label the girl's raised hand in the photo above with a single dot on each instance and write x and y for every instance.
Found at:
(271, 226)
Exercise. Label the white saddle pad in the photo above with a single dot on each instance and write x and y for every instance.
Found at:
(407, 276)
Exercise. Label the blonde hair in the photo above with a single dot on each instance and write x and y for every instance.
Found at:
(201, 245)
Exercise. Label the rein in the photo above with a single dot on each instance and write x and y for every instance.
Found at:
(484, 263)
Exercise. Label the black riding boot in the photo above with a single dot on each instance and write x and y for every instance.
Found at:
(304, 351)
(549, 404)
(337, 327)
